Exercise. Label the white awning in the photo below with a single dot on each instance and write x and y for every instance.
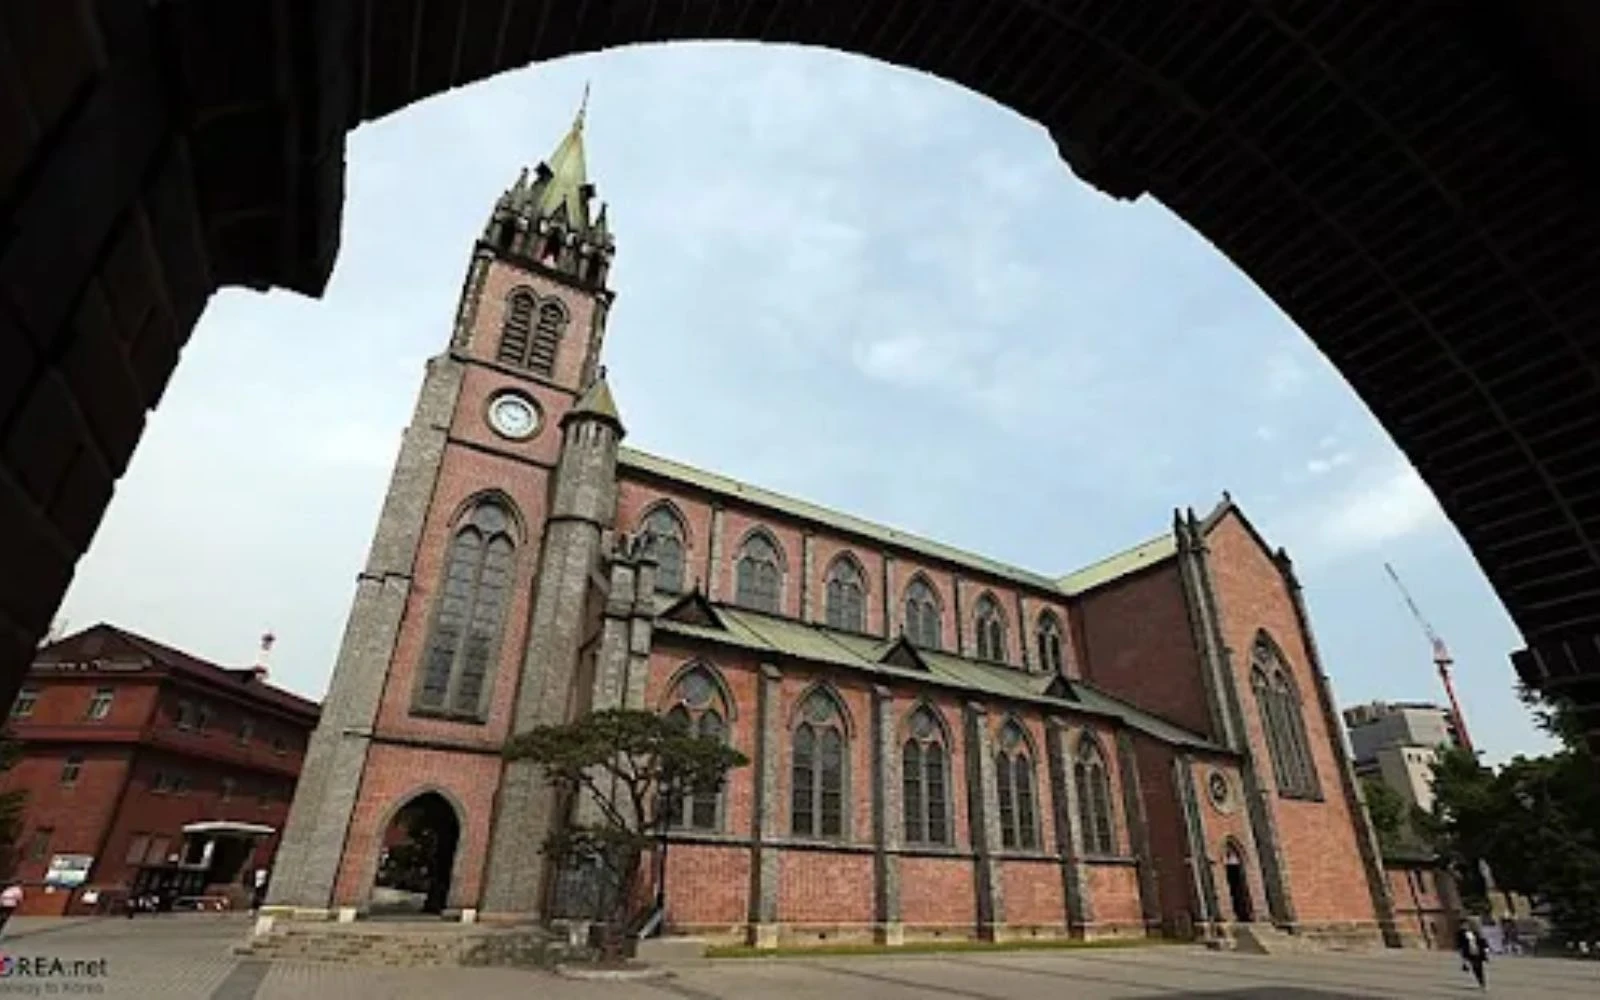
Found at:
(229, 827)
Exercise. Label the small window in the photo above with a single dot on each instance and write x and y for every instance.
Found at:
(247, 729)
(180, 783)
(264, 796)
(666, 533)
(1050, 659)
(991, 630)
(922, 625)
(758, 582)
(138, 847)
(23, 707)
(225, 789)
(202, 718)
(39, 846)
(185, 717)
(847, 596)
(160, 784)
(158, 850)
(100, 704)
(279, 745)
(71, 769)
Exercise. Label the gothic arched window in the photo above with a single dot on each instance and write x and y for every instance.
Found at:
(1051, 660)
(516, 333)
(471, 604)
(817, 772)
(700, 706)
(922, 615)
(847, 596)
(531, 332)
(546, 336)
(759, 574)
(1283, 722)
(1093, 781)
(1014, 777)
(925, 780)
(666, 533)
(991, 630)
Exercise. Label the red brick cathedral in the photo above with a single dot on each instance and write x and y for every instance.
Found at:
(941, 744)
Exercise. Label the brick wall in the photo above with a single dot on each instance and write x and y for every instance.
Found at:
(825, 888)
(1425, 914)
(75, 817)
(1225, 824)
(937, 894)
(1138, 645)
(708, 888)
(1114, 888)
(393, 776)
(1323, 863)
(1033, 894)
(1168, 837)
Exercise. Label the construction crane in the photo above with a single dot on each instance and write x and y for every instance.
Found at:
(1441, 659)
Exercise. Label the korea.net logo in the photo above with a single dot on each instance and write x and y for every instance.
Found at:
(37, 974)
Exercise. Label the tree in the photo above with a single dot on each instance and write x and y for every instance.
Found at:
(1535, 822)
(12, 804)
(623, 772)
(1388, 812)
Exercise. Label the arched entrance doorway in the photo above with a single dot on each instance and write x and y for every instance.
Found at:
(416, 857)
(1238, 884)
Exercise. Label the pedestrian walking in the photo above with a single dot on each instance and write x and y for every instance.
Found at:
(10, 899)
(1474, 951)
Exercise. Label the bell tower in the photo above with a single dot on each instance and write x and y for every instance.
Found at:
(467, 616)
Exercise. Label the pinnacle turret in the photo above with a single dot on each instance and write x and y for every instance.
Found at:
(550, 216)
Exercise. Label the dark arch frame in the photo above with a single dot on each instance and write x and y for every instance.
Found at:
(718, 682)
(457, 863)
(848, 558)
(919, 577)
(685, 540)
(767, 535)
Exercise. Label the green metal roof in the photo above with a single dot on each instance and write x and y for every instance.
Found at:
(1156, 550)
(1096, 575)
(769, 635)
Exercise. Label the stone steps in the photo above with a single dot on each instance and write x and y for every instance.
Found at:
(405, 947)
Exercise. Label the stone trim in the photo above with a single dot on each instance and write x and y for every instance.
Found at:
(1263, 821)
(983, 818)
(764, 862)
(1069, 844)
(1201, 879)
(1138, 824)
(808, 613)
(1024, 654)
(714, 554)
(955, 604)
(889, 616)
(886, 807)
(1224, 727)
(428, 743)
(1355, 802)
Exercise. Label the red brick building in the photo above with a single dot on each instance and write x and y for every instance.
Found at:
(941, 744)
(136, 756)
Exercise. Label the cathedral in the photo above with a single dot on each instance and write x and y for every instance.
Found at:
(940, 745)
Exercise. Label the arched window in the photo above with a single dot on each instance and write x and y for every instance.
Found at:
(1283, 722)
(546, 336)
(471, 604)
(816, 786)
(991, 630)
(1014, 777)
(847, 596)
(924, 775)
(922, 615)
(531, 332)
(665, 531)
(1093, 781)
(759, 583)
(517, 331)
(1049, 636)
(698, 705)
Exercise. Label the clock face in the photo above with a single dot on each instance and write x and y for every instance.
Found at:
(513, 416)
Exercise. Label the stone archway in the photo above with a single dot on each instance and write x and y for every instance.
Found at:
(1409, 182)
(1236, 875)
(416, 859)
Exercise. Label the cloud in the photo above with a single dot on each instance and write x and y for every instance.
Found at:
(1323, 466)
(1388, 506)
(1284, 376)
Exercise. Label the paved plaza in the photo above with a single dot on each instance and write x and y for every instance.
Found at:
(189, 957)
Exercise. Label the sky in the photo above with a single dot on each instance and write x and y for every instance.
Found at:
(850, 282)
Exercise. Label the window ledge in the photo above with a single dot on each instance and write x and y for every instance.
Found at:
(1109, 859)
(443, 715)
